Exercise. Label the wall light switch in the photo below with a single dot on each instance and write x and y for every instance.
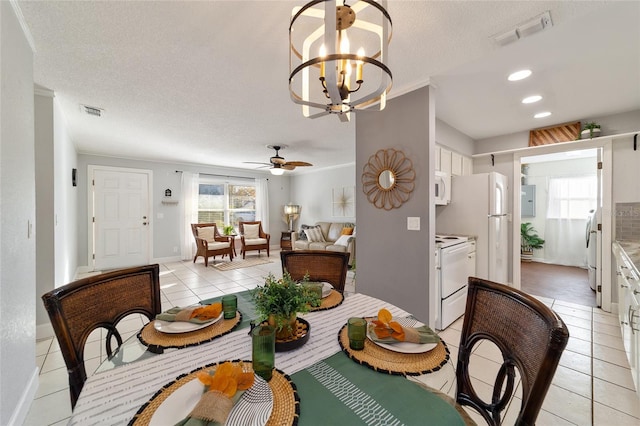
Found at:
(413, 223)
(160, 215)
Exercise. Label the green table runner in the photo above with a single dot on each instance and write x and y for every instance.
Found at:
(341, 392)
(245, 306)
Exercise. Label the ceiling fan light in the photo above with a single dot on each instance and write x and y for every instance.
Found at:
(276, 171)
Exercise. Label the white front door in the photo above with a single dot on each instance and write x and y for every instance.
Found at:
(120, 217)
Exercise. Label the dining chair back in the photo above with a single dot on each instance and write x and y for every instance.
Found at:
(209, 242)
(531, 338)
(319, 265)
(253, 237)
(99, 301)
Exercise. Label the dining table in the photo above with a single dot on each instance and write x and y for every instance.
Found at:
(324, 381)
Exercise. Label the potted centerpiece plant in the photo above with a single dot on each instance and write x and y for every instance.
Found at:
(228, 230)
(529, 240)
(591, 129)
(279, 301)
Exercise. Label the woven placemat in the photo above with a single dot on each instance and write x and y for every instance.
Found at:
(335, 298)
(286, 403)
(156, 340)
(390, 362)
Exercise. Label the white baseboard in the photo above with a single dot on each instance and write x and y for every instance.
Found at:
(167, 259)
(22, 409)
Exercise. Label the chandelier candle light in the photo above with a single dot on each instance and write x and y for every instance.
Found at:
(329, 68)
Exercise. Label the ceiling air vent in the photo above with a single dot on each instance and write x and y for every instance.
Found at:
(89, 110)
(524, 29)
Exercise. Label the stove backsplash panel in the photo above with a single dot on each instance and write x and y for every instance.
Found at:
(628, 221)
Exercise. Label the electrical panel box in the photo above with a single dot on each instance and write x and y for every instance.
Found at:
(528, 200)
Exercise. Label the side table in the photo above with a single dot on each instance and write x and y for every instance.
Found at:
(285, 240)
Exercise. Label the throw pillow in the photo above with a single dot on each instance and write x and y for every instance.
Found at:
(314, 234)
(343, 240)
(207, 233)
(251, 232)
(302, 235)
(347, 231)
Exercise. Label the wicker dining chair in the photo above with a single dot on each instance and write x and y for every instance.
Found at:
(259, 241)
(320, 265)
(99, 301)
(531, 338)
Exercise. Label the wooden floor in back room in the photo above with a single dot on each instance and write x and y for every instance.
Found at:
(567, 283)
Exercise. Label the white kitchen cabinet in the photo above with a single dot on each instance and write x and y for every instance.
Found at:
(467, 166)
(436, 154)
(456, 164)
(628, 281)
(445, 160)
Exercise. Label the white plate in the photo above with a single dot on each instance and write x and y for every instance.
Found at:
(254, 407)
(326, 289)
(182, 326)
(403, 347)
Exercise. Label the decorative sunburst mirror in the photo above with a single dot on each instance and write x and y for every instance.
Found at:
(387, 179)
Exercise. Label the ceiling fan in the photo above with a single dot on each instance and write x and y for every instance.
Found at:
(278, 164)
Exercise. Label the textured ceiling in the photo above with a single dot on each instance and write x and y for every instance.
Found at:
(207, 82)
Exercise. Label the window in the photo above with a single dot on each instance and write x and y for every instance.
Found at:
(572, 197)
(225, 202)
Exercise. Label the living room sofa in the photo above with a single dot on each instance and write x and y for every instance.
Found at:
(332, 236)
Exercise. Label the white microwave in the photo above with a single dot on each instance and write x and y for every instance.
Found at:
(443, 188)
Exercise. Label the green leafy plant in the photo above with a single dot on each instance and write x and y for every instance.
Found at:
(591, 126)
(529, 239)
(283, 298)
(228, 230)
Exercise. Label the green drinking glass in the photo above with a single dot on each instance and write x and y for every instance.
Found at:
(229, 306)
(263, 350)
(357, 331)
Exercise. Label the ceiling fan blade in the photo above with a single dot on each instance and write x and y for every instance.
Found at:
(298, 163)
(257, 162)
(288, 166)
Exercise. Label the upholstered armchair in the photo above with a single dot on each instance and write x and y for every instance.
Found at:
(209, 242)
(253, 237)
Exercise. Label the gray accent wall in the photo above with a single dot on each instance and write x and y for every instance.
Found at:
(18, 371)
(393, 263)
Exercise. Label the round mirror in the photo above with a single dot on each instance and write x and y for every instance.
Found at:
(386, 179)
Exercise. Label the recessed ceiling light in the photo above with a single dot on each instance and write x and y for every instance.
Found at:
(519, 75)
(531, 99)
(542, 114)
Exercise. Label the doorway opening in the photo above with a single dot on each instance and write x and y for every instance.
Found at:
(559, 193)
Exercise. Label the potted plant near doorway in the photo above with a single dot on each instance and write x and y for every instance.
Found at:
(591, 130)
(529, 240)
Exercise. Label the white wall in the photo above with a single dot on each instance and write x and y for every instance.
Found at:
(56, 202)
(453, 139)
(313, 191)
(166, 229)
(610, 125)
(18, 372)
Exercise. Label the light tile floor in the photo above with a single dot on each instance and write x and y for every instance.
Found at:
(592, 385)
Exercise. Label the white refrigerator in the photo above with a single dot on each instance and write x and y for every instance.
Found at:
(478, 208)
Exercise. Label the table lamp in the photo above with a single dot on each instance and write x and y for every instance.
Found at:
(291, 210)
